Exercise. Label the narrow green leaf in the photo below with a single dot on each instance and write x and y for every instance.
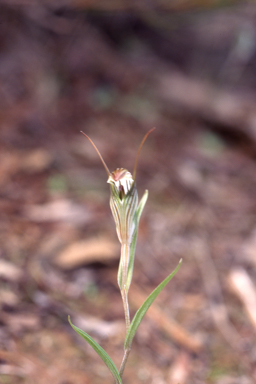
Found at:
(134, 240)
(101, 352)
(145, 306)
(132, 253)
(142, 205)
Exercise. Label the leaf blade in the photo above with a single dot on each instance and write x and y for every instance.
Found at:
(142, 205)
(100, 351)
(135, 235)
(145, 306)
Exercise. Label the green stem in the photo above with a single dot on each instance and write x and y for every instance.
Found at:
(126, 309)
(125, 253)
(126, 354)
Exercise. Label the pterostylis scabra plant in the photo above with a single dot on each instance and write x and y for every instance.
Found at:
(126, 211)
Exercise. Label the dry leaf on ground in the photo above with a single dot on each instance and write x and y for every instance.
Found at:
(98, 249)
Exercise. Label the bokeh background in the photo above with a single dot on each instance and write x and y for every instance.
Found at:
(115, 69)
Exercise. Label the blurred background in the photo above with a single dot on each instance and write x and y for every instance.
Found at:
(115, 69)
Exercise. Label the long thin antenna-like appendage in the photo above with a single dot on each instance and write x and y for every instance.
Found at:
(141, 144)
(96, 149)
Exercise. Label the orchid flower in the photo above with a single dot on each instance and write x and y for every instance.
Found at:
(126, 212)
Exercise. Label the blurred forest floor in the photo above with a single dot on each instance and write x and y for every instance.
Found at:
(114, 73)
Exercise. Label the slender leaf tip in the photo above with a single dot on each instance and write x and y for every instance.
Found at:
(100, 351)
(96, 149)
(145, 306)
(141, 145)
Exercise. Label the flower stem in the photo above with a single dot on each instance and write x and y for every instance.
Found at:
(126, 308)
(125, 254)
(126, 354)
